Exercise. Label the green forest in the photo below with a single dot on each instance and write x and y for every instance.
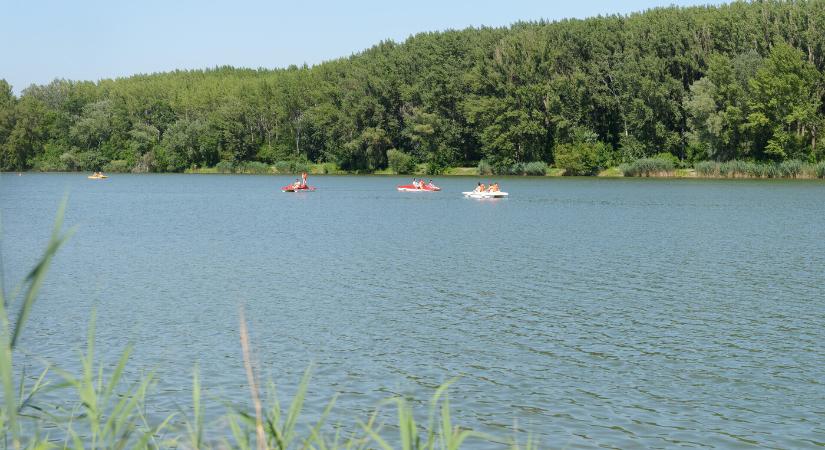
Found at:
(738, 82)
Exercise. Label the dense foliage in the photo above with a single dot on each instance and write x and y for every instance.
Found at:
(740, 81)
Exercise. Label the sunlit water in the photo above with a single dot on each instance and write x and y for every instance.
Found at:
(587, 312)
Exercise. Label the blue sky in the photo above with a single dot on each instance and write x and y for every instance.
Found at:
(90, 39)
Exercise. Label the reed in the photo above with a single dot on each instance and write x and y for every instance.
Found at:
(224, 167)
(751, 169)
(253, 167)
(819, 170)
(647, 167)
(791, 168)
(707, 168)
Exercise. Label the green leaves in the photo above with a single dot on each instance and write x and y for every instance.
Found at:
(785, 97)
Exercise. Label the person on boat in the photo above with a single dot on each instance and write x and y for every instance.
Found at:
(430, 184)
(303, 179)
(480, 187)
(494, 187)
(296, 184)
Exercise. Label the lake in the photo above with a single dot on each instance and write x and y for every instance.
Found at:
(587, 312)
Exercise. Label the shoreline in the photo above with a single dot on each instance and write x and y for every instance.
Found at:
(467, 172)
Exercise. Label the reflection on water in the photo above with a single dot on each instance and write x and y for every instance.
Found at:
(624, 313)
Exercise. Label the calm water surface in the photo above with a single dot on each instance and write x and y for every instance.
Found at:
(616, 313)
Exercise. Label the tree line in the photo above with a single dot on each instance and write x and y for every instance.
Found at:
(740, 81)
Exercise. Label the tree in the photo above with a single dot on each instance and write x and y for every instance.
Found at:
(785, 102)
(7, 106)
(28, 136)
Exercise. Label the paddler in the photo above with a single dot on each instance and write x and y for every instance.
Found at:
(304, 179)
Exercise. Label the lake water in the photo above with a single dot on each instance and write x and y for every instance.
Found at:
(588, 312)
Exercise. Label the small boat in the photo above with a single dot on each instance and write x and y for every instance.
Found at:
(97, 177)
(291, 188)
(485, 194)
(411, 188)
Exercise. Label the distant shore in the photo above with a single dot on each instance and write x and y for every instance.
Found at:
(470, 172)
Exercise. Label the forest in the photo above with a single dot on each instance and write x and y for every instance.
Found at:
(737, 82)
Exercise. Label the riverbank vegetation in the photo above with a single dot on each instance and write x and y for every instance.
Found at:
(736, 82)
(101, 408)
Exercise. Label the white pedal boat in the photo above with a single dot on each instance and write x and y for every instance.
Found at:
(485, 194)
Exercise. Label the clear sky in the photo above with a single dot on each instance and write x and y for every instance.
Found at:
(41, 40)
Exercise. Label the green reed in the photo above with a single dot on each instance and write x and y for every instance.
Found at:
(647, 167)
(751, 169)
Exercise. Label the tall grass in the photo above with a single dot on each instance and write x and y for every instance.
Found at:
(750, 169)
(819, 170)
(646, 167)
(534, 168)
(291, 167)
(108, 412)
(707, 169)
(253, 167)
(791, 168)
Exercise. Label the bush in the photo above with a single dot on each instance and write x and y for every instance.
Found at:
(48, 165)
(300, 166)
(400, 162)
(434, 168)
(646, 167)
(819, 170)
(578, 159)
(536, 168)
(484, 168)
(146, 163)
(291, 167)
(82, 161)
(329, 167)
(118, 165)
(224, 167)
(667, 156)
(514, 169)
(283, 167)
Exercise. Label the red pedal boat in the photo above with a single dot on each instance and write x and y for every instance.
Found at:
(425, 188)
(291, 188)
